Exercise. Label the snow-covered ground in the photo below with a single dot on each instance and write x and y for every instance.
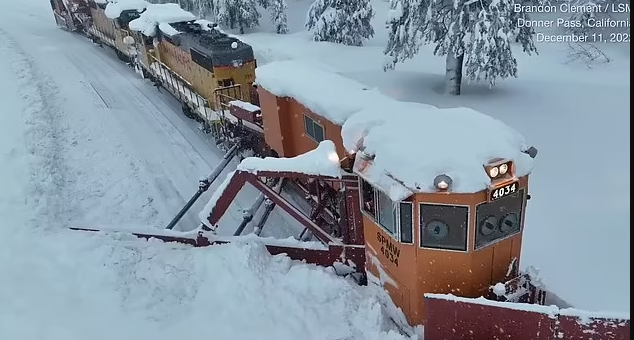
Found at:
(578, 222)
(85, 142)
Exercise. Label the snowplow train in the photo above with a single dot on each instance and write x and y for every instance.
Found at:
(426, 203)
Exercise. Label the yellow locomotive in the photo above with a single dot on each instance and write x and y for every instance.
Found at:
(202, 66)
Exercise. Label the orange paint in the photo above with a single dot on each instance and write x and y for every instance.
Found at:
(422, 270)
(411, 270)
(289, 113)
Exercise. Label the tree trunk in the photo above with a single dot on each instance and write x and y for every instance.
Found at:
(453, 73)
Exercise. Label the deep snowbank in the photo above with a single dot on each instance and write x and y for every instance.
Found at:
(63, 158)
(93, 287)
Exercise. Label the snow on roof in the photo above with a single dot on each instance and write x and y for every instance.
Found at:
(116, 7)
(323, 161)
(413, 143)
(167, 29)
(319, 88)
(245, 105)
(160, 15)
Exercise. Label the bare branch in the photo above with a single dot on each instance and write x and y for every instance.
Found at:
(587, 53)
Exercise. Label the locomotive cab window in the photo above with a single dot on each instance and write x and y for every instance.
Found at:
(394, 217)
(444, 226)
(313, 129)
(367, 199)
(226, 82)
(499, 219)
(148, 41)
(406, 222)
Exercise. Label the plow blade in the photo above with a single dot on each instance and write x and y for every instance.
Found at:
(310, 252)
(450, 317)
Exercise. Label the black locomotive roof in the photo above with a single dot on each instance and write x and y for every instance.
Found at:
(208, 46)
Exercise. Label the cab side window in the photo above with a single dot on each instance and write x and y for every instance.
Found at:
(367, 199)
(406, 221)
(313, 129)
(394, 217)
(386, 212)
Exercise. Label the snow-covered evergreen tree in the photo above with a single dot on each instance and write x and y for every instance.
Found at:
(202, 7)
(236, 13)
(240, 14)
(277, 9)
(278, 16)
(341, 21)
(475, 36)
(403, 23)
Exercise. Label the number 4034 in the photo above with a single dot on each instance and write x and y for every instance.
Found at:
(390, 256)
(506, 190)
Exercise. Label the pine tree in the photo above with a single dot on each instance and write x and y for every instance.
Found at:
(277, 9)
(475, 36)
(240, 14)
(403, 22)
(202, 7)
(341, 21)
(278, 16)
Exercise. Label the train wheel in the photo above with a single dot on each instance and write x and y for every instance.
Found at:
(149, 76)
(188, 112)
(138, 69)
(122, 56)
(206, 128)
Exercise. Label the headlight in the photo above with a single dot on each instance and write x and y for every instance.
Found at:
(504, 168)
(494, 172)
(443, 182)
(499, 168)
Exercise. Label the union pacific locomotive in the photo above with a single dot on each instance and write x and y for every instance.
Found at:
(202, 66)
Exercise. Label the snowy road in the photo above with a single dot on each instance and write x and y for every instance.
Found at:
(82, 141)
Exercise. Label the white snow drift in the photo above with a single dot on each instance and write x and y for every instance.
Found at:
(66, 154)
